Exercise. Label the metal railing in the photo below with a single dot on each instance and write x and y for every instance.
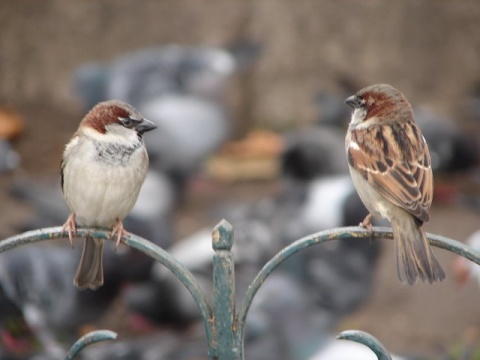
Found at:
(224, 325)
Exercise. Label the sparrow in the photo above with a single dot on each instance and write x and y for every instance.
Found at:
(102, 170)
(390, 167)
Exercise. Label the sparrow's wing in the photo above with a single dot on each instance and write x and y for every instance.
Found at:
(396, 162)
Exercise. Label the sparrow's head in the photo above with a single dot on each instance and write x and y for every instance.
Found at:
(382, 102)
(116, 119)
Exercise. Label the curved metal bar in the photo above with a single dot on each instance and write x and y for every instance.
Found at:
(333, 234)
(198, 294)
(368, 340)
(145, 246)
(90, 338)
(38, 235)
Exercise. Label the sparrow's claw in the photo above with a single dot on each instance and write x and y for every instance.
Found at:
(71, 227)
(367, 222)
(118, 231)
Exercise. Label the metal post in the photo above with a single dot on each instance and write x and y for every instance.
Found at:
(224, 292)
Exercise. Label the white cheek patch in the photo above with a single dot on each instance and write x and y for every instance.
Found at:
(115, 134)
(358, 116)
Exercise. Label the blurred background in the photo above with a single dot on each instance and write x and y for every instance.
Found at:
(248, 99)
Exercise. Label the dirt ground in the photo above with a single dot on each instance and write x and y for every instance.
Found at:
(419, 319)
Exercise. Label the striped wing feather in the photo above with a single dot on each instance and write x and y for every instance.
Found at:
(396, 162)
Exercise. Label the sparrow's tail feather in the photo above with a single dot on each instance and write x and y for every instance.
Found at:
(415, 258)
(90, 269)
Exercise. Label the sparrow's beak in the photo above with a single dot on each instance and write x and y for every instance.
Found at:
(144, 126)
(353, 101)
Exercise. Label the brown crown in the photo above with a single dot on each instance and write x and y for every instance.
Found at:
(108, 112)
(384, 100)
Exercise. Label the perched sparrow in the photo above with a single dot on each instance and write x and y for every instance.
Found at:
(103, 168)
(390, 167)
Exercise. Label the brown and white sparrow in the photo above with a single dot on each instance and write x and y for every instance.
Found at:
(103, 168)
(390, 167)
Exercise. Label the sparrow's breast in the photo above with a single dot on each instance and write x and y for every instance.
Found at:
(376, 204)
(102, 181)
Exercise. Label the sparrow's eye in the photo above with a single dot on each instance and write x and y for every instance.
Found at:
(127, 122)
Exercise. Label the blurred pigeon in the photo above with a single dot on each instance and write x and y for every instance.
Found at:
(283, 323)
(38, 280)
(147, 74)
(190, 129)
(336, 276)
(16, 335)
(165, 300)
(143, 75)
(319, 195)
(312, 152)
(451, 149)
(317, 192)
(181, 89)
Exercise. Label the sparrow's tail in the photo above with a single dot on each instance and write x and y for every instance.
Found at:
(415, 258)
(90, 269)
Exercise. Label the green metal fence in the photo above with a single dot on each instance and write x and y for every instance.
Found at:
(224, 325)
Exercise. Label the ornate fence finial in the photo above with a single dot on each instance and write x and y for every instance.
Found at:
(222, 236)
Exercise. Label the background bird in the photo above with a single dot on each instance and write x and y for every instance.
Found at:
(37, 279)
(146, 74)
(452, 149)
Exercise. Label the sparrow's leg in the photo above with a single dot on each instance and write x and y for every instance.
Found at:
(70, 227)
(367, 222)
(118, 231)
